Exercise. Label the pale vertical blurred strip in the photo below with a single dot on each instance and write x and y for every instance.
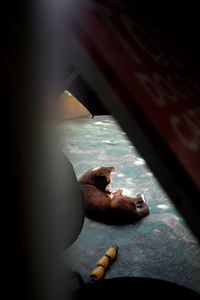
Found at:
(45, 210)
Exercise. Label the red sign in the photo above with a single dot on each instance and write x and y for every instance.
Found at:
(139, 64)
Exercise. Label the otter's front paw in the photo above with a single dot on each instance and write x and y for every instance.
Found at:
(119, 192)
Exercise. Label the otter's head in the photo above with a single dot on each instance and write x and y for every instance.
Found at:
(100, 177)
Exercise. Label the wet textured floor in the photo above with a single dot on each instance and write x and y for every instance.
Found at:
(160, 245)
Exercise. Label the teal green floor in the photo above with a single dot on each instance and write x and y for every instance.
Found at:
(160, 245)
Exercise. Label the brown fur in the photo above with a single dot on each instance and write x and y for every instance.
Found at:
(109, 207)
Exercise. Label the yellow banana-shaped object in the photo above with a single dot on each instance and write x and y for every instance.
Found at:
(103, 263)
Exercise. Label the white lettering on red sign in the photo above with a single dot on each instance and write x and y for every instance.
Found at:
(187, 128)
